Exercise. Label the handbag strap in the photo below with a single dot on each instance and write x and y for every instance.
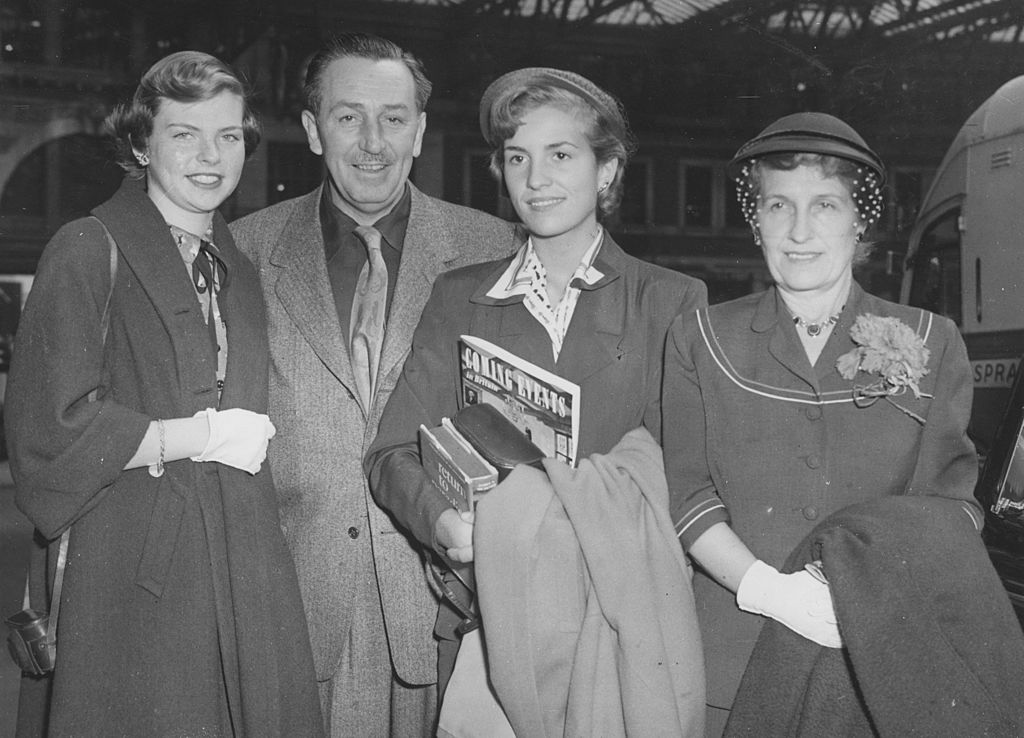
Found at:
(62, 554)
(58, 585)
(105, 318)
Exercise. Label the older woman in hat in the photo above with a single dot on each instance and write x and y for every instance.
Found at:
(785, 406)
(571, 301)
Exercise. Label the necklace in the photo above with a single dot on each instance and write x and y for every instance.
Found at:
(814, 329)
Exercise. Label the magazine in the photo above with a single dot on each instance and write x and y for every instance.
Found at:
(541, 404)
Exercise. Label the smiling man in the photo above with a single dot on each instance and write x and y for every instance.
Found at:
(365, 244)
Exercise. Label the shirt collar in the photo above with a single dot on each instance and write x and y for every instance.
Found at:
(519, 277)
(188, 242)
(392, 226)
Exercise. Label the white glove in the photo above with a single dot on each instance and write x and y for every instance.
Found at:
(800, 601)
(238, 438)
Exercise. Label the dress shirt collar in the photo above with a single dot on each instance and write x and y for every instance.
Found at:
(525, 271)
(337, 225)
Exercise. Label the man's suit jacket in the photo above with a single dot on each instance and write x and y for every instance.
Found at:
(322, 431)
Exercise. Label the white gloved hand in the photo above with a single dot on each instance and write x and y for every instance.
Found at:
(238, 438)
(799, 601)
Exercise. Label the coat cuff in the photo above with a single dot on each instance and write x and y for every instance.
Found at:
(698, 519)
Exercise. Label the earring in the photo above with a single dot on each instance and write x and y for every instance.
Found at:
(143, 159)
(603, 187)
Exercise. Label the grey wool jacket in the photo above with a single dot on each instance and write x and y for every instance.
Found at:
(335, 530)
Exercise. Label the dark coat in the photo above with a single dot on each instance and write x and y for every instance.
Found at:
(756, 436)
(932, 645)
(181, 612)
(614, 350)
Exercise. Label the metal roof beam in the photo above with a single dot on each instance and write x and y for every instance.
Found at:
(981, 16)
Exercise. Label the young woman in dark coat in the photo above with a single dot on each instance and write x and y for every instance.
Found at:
(180, 610)
(570, 301)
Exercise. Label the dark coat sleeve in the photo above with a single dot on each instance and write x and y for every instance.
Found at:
(693, 499)
(686, 296)
(426, 392)
(64, 449)
(947, 464)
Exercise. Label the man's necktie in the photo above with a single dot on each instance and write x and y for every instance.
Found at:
(368, 309)
(209, 272)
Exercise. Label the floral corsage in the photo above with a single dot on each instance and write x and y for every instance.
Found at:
(890, 349)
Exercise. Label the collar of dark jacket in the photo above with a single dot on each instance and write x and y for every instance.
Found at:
(611, 260)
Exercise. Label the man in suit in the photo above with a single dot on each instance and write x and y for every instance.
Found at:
(364, 584)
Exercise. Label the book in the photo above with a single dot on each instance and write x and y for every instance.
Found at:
(543, 405)
(454, 466)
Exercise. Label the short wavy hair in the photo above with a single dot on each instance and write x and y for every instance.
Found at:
(363, 46)
(862, 184)
(606, 131)
(184, 77)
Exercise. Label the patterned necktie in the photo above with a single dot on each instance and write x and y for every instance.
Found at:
(209, 272)
(368, 308)
(208, 268)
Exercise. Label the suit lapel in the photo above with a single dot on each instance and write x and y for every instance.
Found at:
(428, 251)
(595, 334)
(597, 330)
(512, 325)
(783, 343)
(147, 247)
(304, 289)
(520, 333)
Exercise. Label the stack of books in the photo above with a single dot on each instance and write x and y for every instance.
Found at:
(454, 466)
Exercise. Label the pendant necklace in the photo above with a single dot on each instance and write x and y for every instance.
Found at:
(814, 329)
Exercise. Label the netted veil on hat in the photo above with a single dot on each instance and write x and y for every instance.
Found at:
(512, 83)
(815, 133)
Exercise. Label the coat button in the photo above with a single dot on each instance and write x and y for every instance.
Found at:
(810, 512)
(813, 461)
(353, 532)
(813, 412)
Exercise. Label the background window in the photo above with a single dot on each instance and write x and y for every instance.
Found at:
(479, 188)
(733, 212)
(637, 206)
(936, 282)
(907, 189)
(698, 195)
(292, 170)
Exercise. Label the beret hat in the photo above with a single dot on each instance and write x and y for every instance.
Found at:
(815, 133)
(513, 83)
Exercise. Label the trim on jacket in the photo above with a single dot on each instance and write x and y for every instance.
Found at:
(833, 397)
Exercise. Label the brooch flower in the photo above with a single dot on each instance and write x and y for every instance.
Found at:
(890, 349)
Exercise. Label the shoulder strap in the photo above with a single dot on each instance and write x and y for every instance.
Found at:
(105, 319)
(62, 555)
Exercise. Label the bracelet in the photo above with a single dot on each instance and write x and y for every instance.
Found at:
(157, 469)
